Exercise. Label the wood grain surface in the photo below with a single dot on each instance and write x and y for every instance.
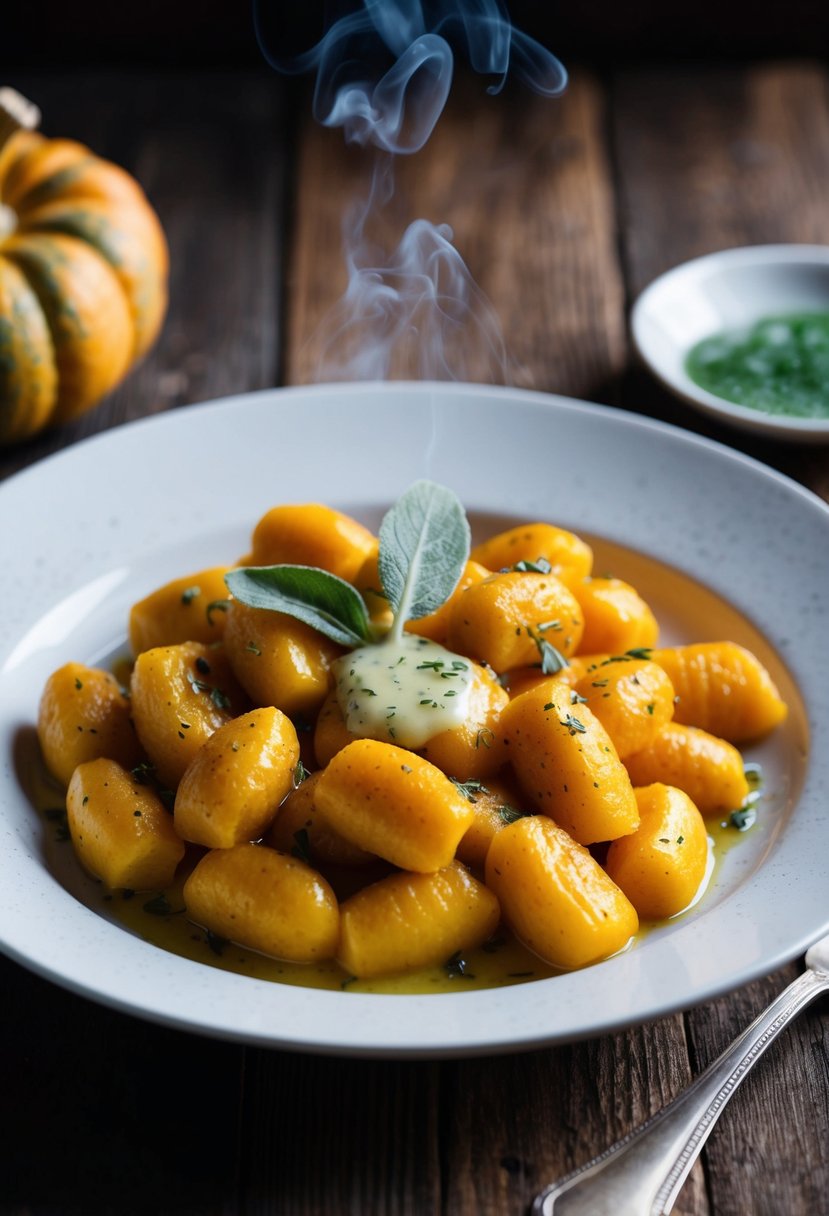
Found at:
(563, 212)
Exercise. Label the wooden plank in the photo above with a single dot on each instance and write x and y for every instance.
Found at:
(106, 1115)
(339, 1137)
(711, 159)
(517, 1124)
(524, 184)
(209, 151)
(708, 160)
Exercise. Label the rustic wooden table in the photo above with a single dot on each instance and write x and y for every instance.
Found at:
(564, 211)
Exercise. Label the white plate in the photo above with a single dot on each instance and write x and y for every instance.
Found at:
(88, 531)
(730, 290)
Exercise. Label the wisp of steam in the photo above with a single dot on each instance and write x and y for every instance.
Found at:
(383, 74)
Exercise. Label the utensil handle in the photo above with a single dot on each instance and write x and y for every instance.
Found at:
(642, 1174)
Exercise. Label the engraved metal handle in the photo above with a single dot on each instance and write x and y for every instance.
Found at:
(643, 1173)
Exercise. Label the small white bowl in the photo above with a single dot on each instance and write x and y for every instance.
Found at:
(730, 290)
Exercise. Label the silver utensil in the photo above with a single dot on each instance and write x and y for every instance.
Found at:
(643, 1173)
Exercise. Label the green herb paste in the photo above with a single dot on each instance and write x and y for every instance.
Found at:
(779, 366)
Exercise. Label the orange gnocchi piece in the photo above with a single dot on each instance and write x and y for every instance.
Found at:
(476, 748)
(180, 611)
(309, 534)
(180, 695)
(567, 766)
(232, 788)
(570, 557)
(120, 830)
(415, 920)
(393, 803)
(266, 901)
(722, 688)
(435, 626)
(661, 866)
(84, 715)
(503, 619)
(555, 896)
(632, 698)
(708, 769)
(278, 660)
(299, 826)
(616, 618)
(496, 804)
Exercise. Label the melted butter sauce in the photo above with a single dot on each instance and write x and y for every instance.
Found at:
(403, 690)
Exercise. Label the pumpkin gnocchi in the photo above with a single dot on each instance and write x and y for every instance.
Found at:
(556, 794)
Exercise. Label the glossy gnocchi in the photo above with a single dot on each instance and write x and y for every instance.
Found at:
(563, 804)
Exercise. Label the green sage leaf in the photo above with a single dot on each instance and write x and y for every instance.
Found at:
(424, 546)
(319, 599)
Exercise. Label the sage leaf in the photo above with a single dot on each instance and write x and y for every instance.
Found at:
(424, 546)
(319, 599)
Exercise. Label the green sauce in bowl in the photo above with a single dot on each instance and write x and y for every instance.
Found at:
(779, 366)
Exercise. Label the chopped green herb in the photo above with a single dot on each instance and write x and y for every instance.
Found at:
(539, 566)
(216, 606)
(219, 699)
(189, 594)
(510, 814)
(216, 943)
(159, 905)
(457, 966)
(637, 652)
(469, 788)
(302, 848)
(552, 660)
(743, 819)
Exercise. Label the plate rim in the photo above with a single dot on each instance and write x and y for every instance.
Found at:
(516, 1041)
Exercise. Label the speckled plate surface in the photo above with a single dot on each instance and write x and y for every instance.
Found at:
(718, 543)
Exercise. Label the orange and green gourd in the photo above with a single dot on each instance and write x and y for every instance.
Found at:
(83, 275)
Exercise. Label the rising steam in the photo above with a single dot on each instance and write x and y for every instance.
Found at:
(383, 74)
